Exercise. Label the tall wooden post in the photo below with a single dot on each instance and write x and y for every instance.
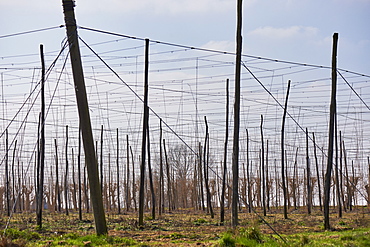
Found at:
(222, 202)
(101, 159)
(285, 192)
(336, 171)
(57, 190)
(333, 107)
(84, 115)
(317, 170)
(161, 181)
(66, 174)
(127, 194)
(143, 147)
(308, 174)
(153, 199)
(235, 160)
(7, 173)
(42, 143)
(79, 176)
(263, 169)
(117, 173)
(205, 170)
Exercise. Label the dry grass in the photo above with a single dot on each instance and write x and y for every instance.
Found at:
(180, 228)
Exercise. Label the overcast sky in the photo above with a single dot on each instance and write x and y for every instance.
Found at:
(294, 30)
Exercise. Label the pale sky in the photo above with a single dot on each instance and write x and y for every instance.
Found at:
(290, 30)
(298, 31)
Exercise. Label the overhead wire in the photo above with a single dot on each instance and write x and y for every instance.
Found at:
(31, 31)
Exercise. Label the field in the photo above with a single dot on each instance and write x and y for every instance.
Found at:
(190, 228)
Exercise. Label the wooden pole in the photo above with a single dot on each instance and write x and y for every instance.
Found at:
(7, 173)
(42, 142)
(336, 171)
(368, 184)
(308, 171)
(143, 144)
(84, 115)
(161, 181)
(101, 159)
(14, 197)
(248, 177)
(317, 170)
(153, 199)
(263, 169)
(205, 170)
(235, 160)
(267, 177)
(127, 196)
(222, 201)
(295, 181)
(117, 173)
(333, 106)
(66, 174)
(133, 179)
(79, 176)
(168, 176)
(285, 193)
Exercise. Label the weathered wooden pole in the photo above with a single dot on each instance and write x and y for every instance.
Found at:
(133, 179)
(84, 115)
(153, 198)
(14, 197)
(161, 179)
(66, 174)
(57, 189)
(333, 107)
(308, 174)
(263, 180)
(336, 171)
(267, 177)
(317, 170)
(101, 159)
(169, 197)
(79, 176)
(222, 201)
(249, 177)
(368, 184)
(7, 197)
(117, 173)
(235, 160)
(295, 180)
(285, 193)
(205, 170)
(341, 172)
(143, 144)
(40, 190)
(127, 194)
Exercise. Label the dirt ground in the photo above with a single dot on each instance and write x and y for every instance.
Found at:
(188, 227)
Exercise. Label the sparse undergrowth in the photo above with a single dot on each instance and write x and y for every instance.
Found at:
(188, 228)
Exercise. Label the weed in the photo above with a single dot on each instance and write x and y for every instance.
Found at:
(252, 233)
(347, 238)
(200, 221)
(176, 235)
(17, 234)
(124, 241)
(341, 223)
(227, 240)
(305, 240)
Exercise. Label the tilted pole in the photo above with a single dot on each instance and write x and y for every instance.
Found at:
(333, 109)
(85, 122)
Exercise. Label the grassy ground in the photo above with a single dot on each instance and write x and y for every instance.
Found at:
(190, 228)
